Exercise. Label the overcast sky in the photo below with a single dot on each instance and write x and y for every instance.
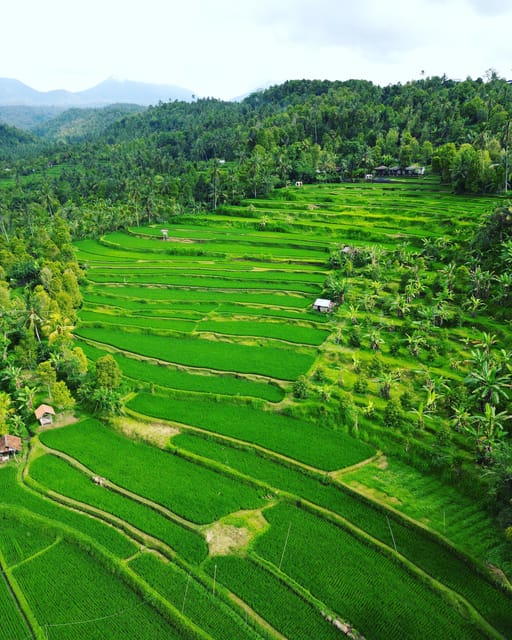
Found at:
(226, 48)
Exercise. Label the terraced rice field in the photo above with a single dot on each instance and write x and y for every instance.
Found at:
(252, 518)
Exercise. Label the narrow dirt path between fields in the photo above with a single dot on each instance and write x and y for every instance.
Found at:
(167, 513)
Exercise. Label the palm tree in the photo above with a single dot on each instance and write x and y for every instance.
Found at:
(353, 310)
(24, 399)
(399, 305)
(460, 418)
(473, 304)
(420, 412)
(489, 384)
(487, 428)
(375, 339)
(481, 282)
(386, 381)
(57, 327)
(12, 376)
(447, 274)
(486, 342)
(415, 342)
(504, 282)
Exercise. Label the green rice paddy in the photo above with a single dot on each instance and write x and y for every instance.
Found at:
(211, 329)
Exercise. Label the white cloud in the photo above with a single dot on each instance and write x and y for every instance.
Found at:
(227, 47)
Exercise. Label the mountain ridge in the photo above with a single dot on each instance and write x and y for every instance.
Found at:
(13, 92)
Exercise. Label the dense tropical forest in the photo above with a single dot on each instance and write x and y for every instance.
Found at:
(390, 201)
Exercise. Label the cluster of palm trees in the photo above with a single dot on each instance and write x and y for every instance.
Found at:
(484, 416)
(423, 305)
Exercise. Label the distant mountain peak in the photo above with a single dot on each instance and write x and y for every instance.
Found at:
(111, 91)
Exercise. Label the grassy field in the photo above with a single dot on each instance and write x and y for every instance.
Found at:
(267, 509)
(57, 585)
(89, 441)
(352, 578)
(57, 475)
(186, 380)
(267, 360)
(297, 439)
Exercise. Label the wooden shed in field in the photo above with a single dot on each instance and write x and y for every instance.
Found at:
(44, 413)
(9, 446)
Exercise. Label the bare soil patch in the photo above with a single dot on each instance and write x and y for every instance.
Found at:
(156, 433)
(61, 419)
(382, 462)
(234, 534)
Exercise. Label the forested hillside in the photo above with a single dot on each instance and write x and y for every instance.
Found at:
(301, 130)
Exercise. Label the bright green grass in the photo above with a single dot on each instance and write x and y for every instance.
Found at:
(144, 371)
(145, 311)
(17, 495)
(167, 479)
(217, 232)
(430, 501)
(246, 310)
(351, 578)
(203, 282)
(234, 246)
(298, 439)
(73, 596)
(272, 599)
(13, 625)
(18, 541)
(193, 599)
(412, 542)
(280, 331)
(164, 324)
(281, 363)
(222, 270)
(189, 310)
(106, 294)
(57, 475)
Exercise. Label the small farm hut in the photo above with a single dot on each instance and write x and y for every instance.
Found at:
(323, 305)
(9, 445)
(44, 414)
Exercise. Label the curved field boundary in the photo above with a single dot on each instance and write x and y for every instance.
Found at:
(422, 546)
(168, 376)
(273, 362)
(238, 608)
(20, 620)
(141, 519)
(171, 481)
(299, 440)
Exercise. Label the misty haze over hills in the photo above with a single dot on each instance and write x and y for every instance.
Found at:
(111, 91)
